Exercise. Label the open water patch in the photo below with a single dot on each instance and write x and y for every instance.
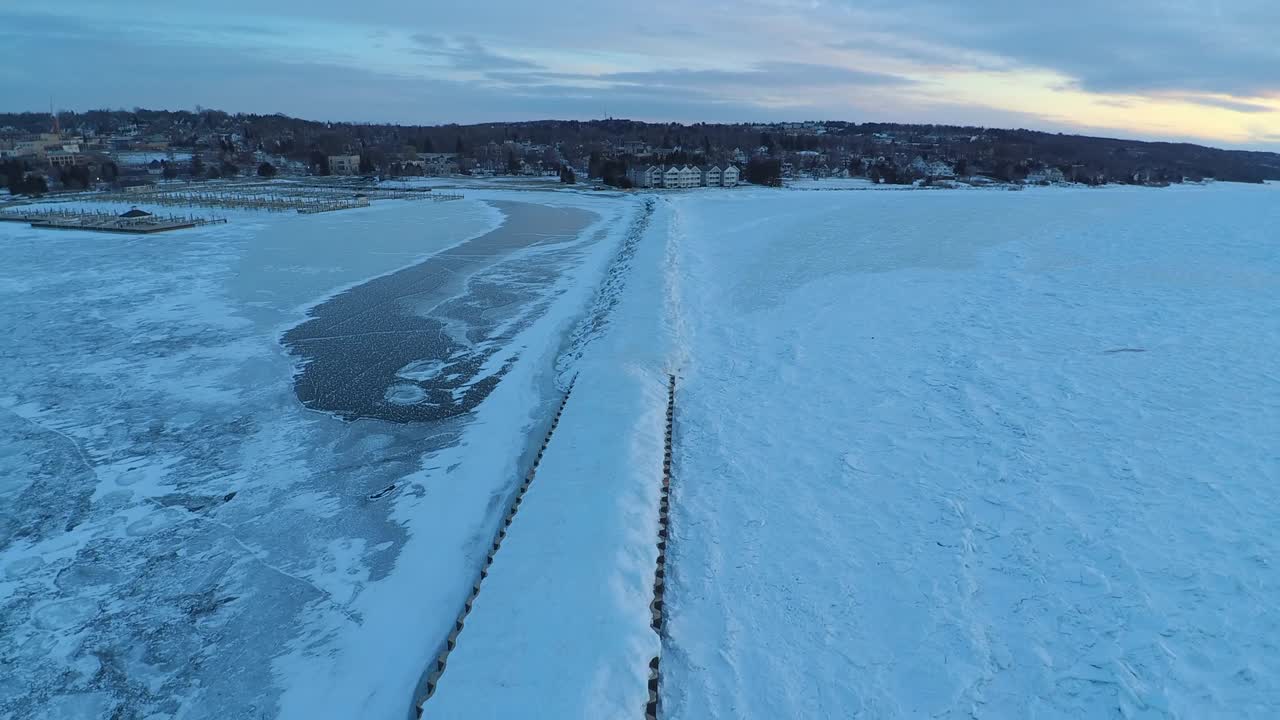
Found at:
(424, 343)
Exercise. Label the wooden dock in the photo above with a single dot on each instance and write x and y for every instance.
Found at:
(49, 219)
(275, 196)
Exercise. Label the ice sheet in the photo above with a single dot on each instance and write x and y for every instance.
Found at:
(179, 537)
(967, 454)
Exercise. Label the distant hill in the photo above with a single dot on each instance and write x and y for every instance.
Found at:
(818, 147)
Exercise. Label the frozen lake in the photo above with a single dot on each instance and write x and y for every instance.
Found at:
(976, 454)
(180, 536)
(937, 454)
(947, 454)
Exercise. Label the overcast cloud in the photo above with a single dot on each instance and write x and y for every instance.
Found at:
(1206, 70)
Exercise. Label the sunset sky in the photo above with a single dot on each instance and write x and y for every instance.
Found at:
(1200, 70)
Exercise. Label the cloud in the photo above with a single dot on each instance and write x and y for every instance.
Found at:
(989, 62)
(919, 52)
(466, 53)
(1225, 46)
(764, 77)
(757, 92)
(1240, 106)
(767, 75)
(151, 72)
(17, 25)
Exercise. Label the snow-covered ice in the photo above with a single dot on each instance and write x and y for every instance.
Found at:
(179, 537)
(952, 454)
(968, 454)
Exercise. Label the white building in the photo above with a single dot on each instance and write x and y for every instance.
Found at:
(940, 169)
(344, 164)
(682, 176)
(690, 177)
(671, 177)
(933, 169)
(645, 176)
(1046, 175)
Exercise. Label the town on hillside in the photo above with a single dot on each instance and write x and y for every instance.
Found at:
(46, 152)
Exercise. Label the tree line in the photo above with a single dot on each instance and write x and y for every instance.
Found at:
(1004, 154)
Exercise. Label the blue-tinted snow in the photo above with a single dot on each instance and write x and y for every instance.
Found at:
(954, 454)
(179, 536)
(561, 627)
(977, 454)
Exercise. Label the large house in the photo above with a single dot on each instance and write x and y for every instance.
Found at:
(1046, 176)
(645, 176)
(715, 176)
(682, 176)
(439, 163)
(344, 164)
(934, 169)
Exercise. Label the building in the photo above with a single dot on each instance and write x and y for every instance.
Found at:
(1046, 176)
(682, 176)
(645, 176)
(932, 169)
(439, 163)
(635, 147)
(690, 177)
(29, 148)
(940, 169)
(716, 176)
(671, 177)
(344, 164)
(61, 158)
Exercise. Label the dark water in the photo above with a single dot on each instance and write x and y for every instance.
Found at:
(412, 346)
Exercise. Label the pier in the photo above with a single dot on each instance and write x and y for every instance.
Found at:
(275, 196)
(143, 224)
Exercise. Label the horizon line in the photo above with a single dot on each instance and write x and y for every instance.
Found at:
(371, 123)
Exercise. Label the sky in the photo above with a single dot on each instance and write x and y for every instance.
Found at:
(1203, 71)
